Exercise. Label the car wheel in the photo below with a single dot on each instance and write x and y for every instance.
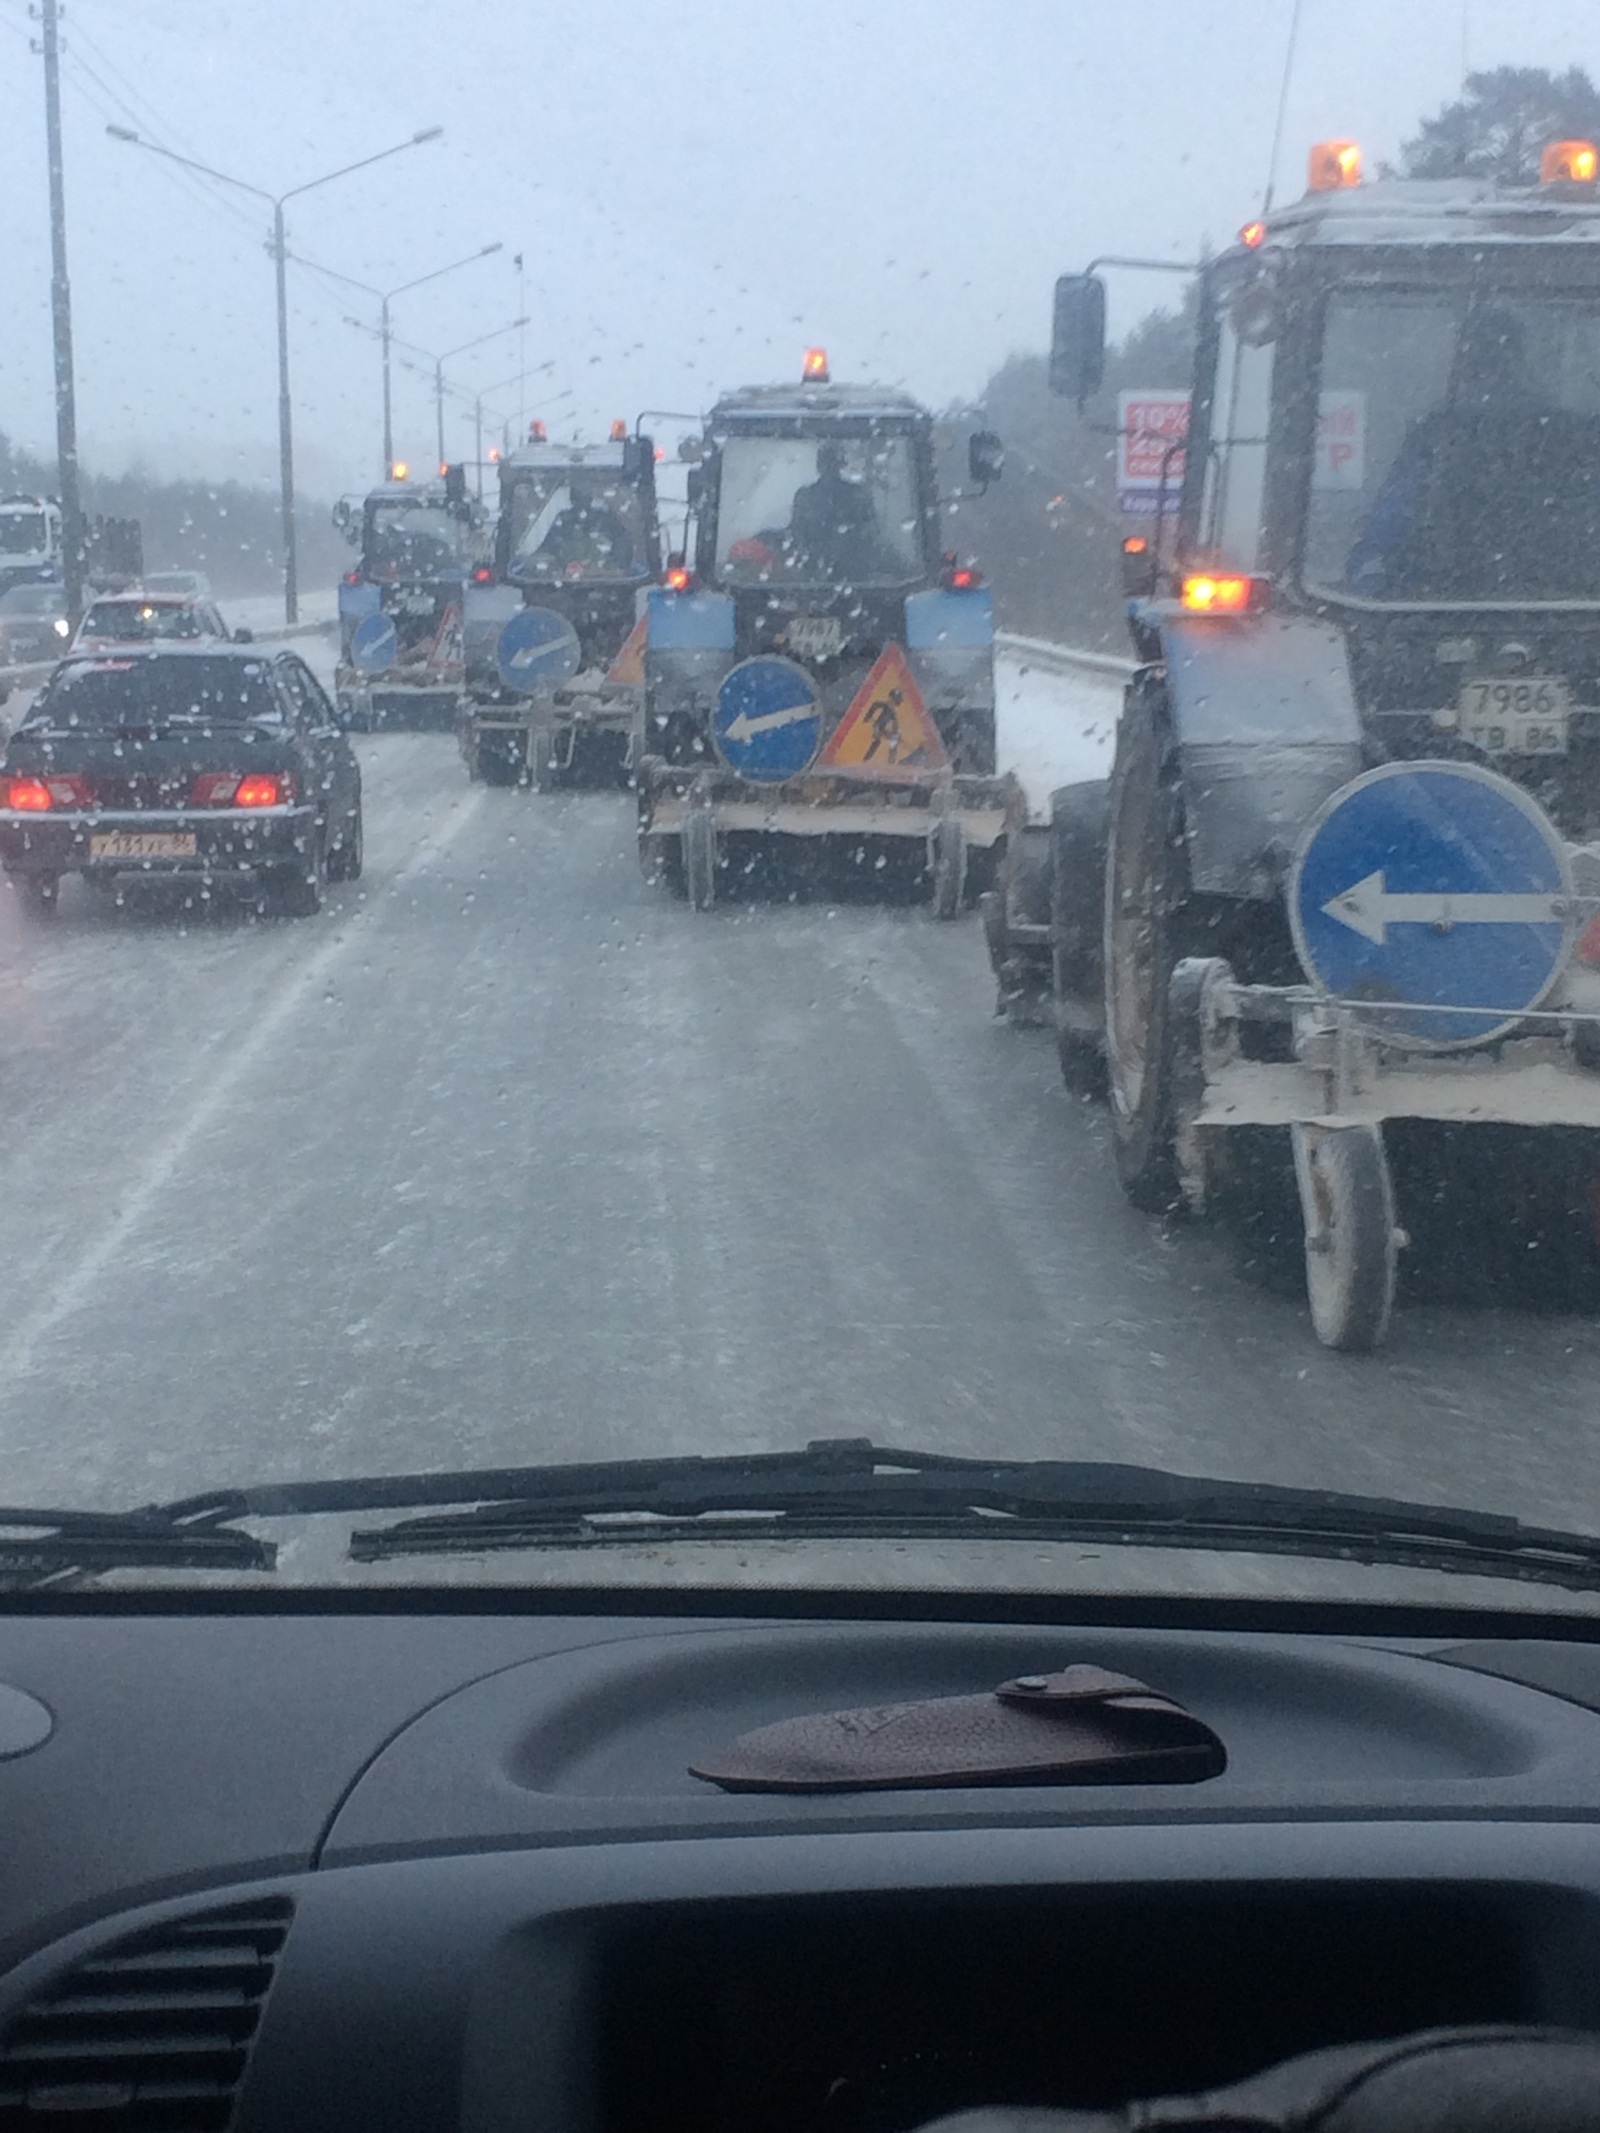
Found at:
(297, 891)
(39, 893)
(345, 856)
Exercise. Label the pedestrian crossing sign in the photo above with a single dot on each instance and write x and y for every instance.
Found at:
(887, 731)
(629, 662)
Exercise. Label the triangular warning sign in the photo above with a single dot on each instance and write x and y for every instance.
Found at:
(629, 662)
(449, 647)
(886, 732)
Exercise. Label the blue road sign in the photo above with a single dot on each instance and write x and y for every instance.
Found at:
(1440, 885)
(374, 644)
(537, 649)
(768, 723)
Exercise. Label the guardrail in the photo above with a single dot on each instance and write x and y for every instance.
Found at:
(1064, 658)
(29, 676)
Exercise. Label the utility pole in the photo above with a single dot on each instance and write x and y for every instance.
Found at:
(72, 531)
(386, 335)
(291, 572)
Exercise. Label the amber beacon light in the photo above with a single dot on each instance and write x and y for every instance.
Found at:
(1216, 593)
(814, 370)
(1334, 166)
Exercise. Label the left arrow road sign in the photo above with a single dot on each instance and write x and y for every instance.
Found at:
(1368, 908)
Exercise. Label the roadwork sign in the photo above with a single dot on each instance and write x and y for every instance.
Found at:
(629, 663)
(887, 731)
(1441, 887)
(767, 721)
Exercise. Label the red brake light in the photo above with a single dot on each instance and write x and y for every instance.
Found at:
(619, 431)
(352, 577)
(264, 788)
(29, 796)
(537, 433)
(1215, 593)
(679, 579)
(483, 575)
(957, 576)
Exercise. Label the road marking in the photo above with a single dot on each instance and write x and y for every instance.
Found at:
(300, 983)
(1369, 908)
(745, 728)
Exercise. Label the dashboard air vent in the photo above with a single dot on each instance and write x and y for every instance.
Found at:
(150, 2035)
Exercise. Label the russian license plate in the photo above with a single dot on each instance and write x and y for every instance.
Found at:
(415, 604)
(815, 636)
(142, 844)
(1524, 717)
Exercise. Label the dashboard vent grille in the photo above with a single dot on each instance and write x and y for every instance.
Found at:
(150, 2035)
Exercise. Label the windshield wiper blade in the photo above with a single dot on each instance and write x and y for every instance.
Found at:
(40, 1545)
(849, 1487)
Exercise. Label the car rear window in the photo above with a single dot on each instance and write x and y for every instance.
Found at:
(141, 621)
(106, 693)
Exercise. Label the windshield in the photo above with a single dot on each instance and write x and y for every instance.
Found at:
(576, 523)
(767, 854)
(23, 533)
(811, 509)
(1478, 472)
(31, 600)
(106, 693)
(143, 622)
(408, 539)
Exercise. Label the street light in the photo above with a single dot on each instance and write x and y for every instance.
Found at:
(279, 250)
(439, 362)
(385, 333)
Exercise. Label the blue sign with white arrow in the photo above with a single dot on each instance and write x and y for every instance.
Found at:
(537, 649)
(1439, 885)
(767, 724)
(374, 644)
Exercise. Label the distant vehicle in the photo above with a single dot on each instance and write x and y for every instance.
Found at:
(192, 584)
(549, 690)
(31, 546)
(401, 657)
(33, 624)
(212, 765)
(151, 618)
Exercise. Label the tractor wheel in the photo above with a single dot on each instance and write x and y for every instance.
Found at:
(947, 862)
(700, 858)
(1077, 894)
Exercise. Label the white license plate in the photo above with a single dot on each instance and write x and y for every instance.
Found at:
(415, 604)
(1524, 717)
(142, 844)
(815, 636)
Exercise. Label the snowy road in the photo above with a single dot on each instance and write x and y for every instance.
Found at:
(508, 1156)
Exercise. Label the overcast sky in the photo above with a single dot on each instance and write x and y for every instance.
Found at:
(697, 187)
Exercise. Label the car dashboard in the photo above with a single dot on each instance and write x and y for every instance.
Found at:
(270, 1866)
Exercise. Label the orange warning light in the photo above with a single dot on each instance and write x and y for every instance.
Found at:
(1252, 234)
(399, 470)
(537, 433)
(1334, 165)
(1135, 544)
(814, 370)
(619, 430)
(1569, 163)
(1213, 594)
(494, 455)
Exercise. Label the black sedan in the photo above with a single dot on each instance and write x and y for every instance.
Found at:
(216, 764)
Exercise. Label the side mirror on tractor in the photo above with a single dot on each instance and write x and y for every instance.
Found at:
(1078, 337)
(986, 458)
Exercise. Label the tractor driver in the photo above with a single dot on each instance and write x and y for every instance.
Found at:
(832, 524)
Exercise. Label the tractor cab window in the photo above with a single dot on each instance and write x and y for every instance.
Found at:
(818, 510)
(23, 533)
(1236, 463)
(1458, 454)
(571, 523)
(414, 539)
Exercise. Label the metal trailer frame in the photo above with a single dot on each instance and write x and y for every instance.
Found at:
(686, 810)
(366, 700)
(1335, 1093)
(552, 724)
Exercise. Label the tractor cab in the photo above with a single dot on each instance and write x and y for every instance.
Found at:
(400, 602)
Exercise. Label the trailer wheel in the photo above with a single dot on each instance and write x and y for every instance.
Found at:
(1352, 1242)
(947, 861)
(1144, 938)
(700, 858)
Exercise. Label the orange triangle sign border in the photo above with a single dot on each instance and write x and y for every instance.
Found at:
(887, 731)
(628, 665)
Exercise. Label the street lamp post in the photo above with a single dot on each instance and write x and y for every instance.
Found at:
(439, 362)
(280, 254)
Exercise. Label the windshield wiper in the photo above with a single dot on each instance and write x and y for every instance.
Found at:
(41, 1546)
(849, 1487)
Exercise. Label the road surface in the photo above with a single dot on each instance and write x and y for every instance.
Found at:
(508, 1157)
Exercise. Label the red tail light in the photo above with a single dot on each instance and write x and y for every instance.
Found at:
(352, 577)
(679, 578)
(1588, 948)
(483, 575)
(264, 788)
(36, 796)
(959, 577)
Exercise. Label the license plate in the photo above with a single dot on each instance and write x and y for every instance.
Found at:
(815, 636)
(142, 844)
(1524, 717)
(415, 604)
